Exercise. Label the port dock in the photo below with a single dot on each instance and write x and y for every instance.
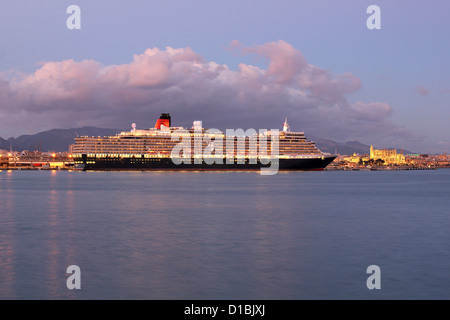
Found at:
(399, 168)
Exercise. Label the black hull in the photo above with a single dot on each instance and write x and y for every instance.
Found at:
(159, 164)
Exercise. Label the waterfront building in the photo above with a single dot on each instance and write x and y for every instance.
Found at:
(355, 159)
(389, 156)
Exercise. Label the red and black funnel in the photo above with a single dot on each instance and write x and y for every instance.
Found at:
(164, 119)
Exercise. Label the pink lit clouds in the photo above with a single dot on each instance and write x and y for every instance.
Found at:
(422, 90)
(68, 94)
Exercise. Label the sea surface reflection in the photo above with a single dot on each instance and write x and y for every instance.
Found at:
(224, 235)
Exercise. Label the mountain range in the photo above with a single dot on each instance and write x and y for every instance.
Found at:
(349, 147)
(59, 140)
(55, 140)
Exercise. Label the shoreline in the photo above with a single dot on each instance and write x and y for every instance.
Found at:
(329, 168)
(400, 168)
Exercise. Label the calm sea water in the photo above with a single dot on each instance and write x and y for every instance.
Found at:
(225, 235)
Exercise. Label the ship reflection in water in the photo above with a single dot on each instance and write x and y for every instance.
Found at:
(216, 235)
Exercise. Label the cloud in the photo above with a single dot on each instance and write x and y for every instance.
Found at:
(285, 61)
(180, 81)
(371, 111)
(422, 90)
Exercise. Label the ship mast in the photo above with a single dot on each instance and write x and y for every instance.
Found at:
(285, 126)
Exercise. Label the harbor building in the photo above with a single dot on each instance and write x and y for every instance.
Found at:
(389, 156)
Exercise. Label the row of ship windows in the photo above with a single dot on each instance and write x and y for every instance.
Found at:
(172, 143)
(165, 141)
(169, 138)
(113, 160)
(93, 153)
(139, 153)
(144, 146)
(120, 151)
(78, 157)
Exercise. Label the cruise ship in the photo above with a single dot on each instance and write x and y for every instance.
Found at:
(165, 147)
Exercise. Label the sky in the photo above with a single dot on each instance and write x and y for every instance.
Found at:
(231, 64)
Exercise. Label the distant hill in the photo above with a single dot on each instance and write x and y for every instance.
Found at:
(4, 144)
(347, 148)
(58, 140)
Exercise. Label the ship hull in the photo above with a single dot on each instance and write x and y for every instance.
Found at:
(161, 164)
